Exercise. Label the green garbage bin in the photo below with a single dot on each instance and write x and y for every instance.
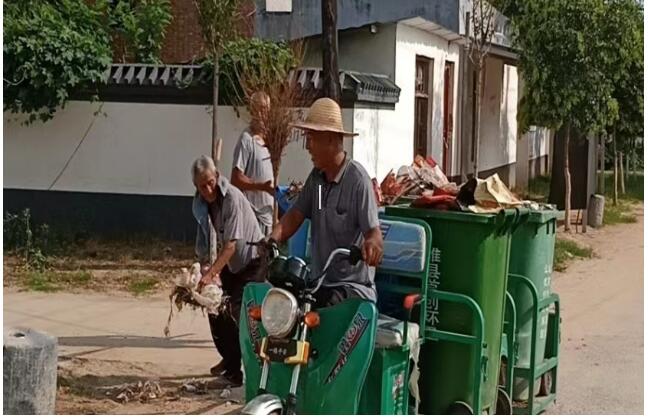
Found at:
(469, 258)
(532, 254)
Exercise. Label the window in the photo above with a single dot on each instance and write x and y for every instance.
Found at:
(422, 105)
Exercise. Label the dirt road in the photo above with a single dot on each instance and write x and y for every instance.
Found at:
(109, 344)
(602, 349)
(106, 342)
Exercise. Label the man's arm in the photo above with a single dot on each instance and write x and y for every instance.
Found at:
(202, 247)
(242, 154)
(226, 253)
(372, 248)
(288, 225)
(245, 183)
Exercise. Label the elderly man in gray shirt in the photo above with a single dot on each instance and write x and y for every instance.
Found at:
(251, 167)
(221, 207)
(338, 199)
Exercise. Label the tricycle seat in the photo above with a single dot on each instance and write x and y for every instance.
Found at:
(389, 333)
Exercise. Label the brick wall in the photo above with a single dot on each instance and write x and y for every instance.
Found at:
(183, 42)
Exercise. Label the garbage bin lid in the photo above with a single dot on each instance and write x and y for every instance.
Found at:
(458, 216)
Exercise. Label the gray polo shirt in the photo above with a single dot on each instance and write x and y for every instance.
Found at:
(234, 219)
(253, 159)
(341, 212)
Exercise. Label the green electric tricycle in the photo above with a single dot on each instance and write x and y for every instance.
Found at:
(344, 359)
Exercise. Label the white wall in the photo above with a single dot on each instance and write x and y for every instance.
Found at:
(386, 139)
(134, 149)
(539, 138)
(367, 145)
(498, 115)
(359, 50)
(411, 42)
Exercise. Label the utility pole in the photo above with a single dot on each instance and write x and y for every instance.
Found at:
(331, 71)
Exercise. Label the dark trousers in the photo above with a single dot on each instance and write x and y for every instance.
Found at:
(224, 327)
(330, 296)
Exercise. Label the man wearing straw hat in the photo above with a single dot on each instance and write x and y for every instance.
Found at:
(338, 199)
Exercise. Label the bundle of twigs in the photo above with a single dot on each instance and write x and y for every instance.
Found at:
(286, 96)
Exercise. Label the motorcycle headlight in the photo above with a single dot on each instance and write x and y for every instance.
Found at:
(279, 312)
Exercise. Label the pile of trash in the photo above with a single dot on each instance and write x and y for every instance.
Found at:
(186, 292)
(422, 178)
(425, 184)
(142, 391)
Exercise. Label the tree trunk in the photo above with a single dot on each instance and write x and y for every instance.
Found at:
(331, 71)
(622, 174)
(634, 161)
(601, 184)
(567, 181)
(616, 170)
(214, 140)
(464, 100)
(478, 99)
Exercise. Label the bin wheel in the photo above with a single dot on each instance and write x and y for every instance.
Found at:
(546, 384)
(504, 405)
(460, 408)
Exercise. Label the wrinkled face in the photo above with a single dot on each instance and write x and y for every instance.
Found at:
(206, 185)
(323, 146)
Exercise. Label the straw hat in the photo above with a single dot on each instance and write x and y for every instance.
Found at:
(324, 116)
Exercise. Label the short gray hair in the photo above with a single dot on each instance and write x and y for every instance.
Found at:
(202, 164)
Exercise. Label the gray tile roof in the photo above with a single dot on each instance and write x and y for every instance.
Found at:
(362, 86)
(355, 85)
(179, 76)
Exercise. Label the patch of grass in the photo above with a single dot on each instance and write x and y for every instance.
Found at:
(567, 250)
(50, 281)
(142, 285)
(634, 187)
(621, 213)
(80, 278)
(40, 281)
(539, 188)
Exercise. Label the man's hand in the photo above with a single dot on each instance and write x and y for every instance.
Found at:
(267, 187)
(372, 248)
(209, 278)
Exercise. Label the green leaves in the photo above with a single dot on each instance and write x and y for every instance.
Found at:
(575, 56)
(220, 21)
(256, 61)
(142, 25)
(55, 47)
(51, 48)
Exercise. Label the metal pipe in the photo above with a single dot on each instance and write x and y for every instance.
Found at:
(294, 380)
